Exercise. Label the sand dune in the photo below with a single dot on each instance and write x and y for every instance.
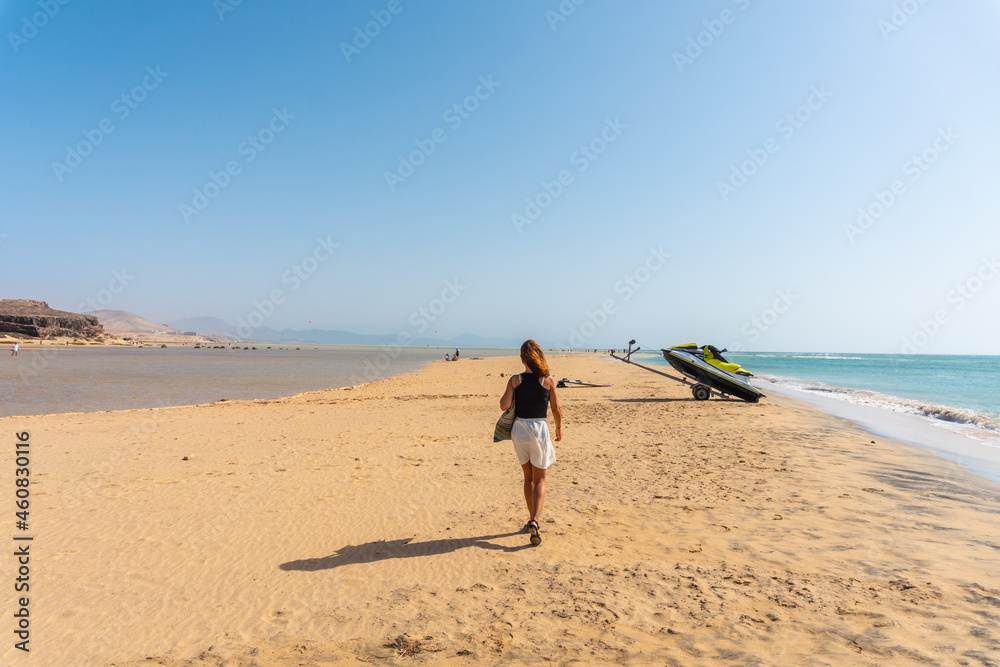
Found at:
(382, 524)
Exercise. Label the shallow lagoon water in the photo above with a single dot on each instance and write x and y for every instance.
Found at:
(46, 380)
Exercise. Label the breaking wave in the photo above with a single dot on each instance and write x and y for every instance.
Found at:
(942, 413)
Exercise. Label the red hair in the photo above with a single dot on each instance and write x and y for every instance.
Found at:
(534, 358)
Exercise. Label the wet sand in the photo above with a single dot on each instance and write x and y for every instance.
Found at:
(382, 524)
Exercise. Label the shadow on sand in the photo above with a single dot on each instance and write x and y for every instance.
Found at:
(371, 552)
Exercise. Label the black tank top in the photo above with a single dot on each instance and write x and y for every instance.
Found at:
(531, 399)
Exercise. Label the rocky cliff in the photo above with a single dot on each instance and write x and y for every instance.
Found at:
(36, 320)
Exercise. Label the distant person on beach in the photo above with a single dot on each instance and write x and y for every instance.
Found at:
(455, 358)
(532, 392)
(13, 350)
(447, 357)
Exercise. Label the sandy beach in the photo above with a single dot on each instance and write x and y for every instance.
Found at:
(381, 524)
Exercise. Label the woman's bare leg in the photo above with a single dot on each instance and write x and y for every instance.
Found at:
(529, 485)
(538, 492)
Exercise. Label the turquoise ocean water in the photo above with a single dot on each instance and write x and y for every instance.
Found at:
(944, 396)
(957, 389)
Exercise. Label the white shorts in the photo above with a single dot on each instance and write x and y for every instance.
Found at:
(532, 443)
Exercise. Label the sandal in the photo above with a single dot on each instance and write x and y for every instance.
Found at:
(536, 536)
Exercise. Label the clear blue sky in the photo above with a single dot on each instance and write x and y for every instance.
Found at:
(673, 130)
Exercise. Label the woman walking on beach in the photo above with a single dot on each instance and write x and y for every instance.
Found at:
(532, 392)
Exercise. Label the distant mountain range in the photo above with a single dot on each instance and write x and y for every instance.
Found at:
(121, 321)
(213, 326)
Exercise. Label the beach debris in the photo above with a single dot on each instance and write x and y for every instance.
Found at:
(185, 458)
(404, 646)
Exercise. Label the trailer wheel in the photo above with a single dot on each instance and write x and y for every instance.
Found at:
(701, 392)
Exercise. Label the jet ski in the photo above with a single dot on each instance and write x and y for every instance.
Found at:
(713, 356)
(706, 366)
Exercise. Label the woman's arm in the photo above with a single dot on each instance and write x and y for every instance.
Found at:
(508, 395)
(554, 404)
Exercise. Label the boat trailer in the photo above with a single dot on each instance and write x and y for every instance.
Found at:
(700, 391)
